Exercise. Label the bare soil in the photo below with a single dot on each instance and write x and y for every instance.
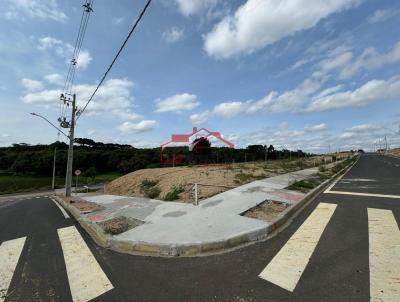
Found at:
(118, 225)
(212, 179)
(267, 211)
(395, 152)
(84, 206)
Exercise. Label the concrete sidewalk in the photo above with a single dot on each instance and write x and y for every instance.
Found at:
(172, 228)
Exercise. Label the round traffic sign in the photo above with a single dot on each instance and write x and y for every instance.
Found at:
(78, 172)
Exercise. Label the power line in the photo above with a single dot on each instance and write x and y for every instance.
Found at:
(69, 81)
(115, 58)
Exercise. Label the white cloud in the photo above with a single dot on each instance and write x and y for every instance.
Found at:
(382, 15)
(173, 35)
(114, 97)
(64, 50)
(362, 136)
(142, 126)
(284, 125)
(259, 23)
(55, 78)
(200, 118)
(364, 128)
(194, 7)
(370, 59)
(35, 9)
(291, 100)
(118, 21)
(316, 128)
(177, 103)
(229, 109)
(32, 85)
(333, 63)
(372, 91)
(84, 59)
(48, 43)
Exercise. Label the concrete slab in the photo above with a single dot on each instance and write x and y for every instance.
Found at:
(217, 219)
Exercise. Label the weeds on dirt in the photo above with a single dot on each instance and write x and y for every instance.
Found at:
(174, 193)
(147, 183)
(305, 185)
(149, 188)
(243, 177)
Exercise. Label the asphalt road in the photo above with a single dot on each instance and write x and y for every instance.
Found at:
(338, 269)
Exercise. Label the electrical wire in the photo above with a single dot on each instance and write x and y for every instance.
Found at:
(115, 58)
(70, 78)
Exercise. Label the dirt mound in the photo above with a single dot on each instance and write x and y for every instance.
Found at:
(395, 152)
(157, 183)
(177, 183)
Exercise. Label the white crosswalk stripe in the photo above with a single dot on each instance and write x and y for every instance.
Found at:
(86, 278)
(384, 256)
(288, 265)
(10, 252)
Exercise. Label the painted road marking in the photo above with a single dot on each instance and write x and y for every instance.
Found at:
(287, 266)
(364, 194)
(384, 256)
(86, 278)
(340, 177)
(61, 209)
(10, 252)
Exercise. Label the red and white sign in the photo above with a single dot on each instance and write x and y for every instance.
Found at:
(78, 172)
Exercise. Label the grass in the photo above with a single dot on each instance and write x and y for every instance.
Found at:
(324, 173)
(305, 185)
(14, 184)
(149, 188)
(174, 193)
(241, 178)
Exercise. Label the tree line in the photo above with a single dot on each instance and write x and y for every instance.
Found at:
(93, 157)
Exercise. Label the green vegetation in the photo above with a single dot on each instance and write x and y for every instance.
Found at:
(324, 173)
(343, 165)
(174, 193)
(13, 184)
(241, 178)
(305, 185)
(148, 183)
(149, 188)
(10, 183)
(28, 167)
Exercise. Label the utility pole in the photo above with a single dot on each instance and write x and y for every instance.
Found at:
(53, 185)
(386, 144)
(68, 178)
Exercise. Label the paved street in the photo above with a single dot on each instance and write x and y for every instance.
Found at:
(342, 247)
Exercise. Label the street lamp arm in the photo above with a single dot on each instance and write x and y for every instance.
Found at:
(58, 129)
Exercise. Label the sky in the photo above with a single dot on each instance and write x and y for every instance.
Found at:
(315, 75)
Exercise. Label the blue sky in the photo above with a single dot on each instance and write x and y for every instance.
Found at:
(303, 74)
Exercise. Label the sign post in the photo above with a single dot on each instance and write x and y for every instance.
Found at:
(77, 173)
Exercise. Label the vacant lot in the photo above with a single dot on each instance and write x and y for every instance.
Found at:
(12, 184)
(395, 152)
(177, 183)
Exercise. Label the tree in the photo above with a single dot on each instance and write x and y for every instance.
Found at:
(85, 142)
(90, 173)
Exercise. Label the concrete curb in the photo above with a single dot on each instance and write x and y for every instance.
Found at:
(291, 212)
(96, 232)
(204, 248)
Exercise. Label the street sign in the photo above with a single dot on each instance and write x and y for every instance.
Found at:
(78, 172)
